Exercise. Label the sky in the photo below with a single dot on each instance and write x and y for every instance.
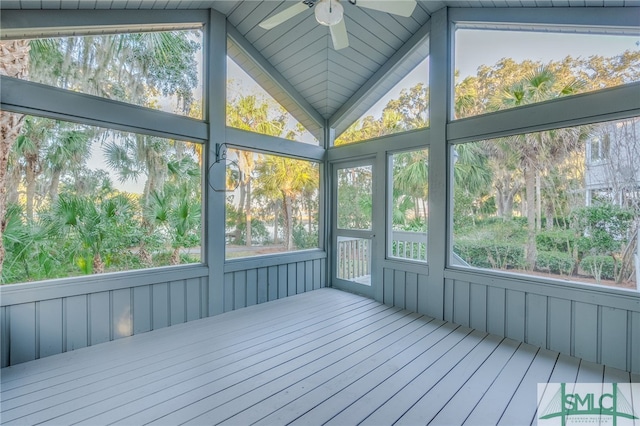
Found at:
(477, 47)
(486, 47)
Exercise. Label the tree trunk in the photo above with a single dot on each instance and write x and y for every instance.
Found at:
(66, 70)
(530, 188)
(145, 257)
(507, 203)
(10, 125)
(309, 214)
(98, 264)
(248, 239)
(14, 176)
(499, 202)
(237, 235)
(288, 222)
(31, 173)
(276, 217)
(175, 256)
(550, 214)
(538, 203)
(53, 188)
(14, 62)
(505, 192)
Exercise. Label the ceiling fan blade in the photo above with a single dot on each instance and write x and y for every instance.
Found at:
(285, 15)
(339, 35)
(398, 7)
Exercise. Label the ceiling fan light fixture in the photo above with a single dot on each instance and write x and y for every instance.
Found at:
(328, 12)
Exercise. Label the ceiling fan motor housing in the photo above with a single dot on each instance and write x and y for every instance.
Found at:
(329, 12)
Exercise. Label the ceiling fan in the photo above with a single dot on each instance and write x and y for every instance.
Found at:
(331, 14)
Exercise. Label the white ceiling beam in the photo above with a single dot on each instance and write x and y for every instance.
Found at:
(305, 113)
(608, 104)
(382, 81)
(47, 101)
(252, 141)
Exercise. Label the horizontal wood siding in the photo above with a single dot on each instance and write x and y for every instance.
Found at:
(41, 328)
(247, 287)
(586, 328)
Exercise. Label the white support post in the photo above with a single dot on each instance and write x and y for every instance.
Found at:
(439, 81)
(216, 57)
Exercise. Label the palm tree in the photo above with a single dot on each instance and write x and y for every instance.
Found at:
(70, 150)
(33, 247)
(472, 178)
(466, 97)
(246, 164)
(14, 62)
(471, 169)
(178, 213)
(290, 179)
(36, 135)
(254, 115)
(47, 148)
(132, 156)
(411, 171)
(98, 225)
(533, 149)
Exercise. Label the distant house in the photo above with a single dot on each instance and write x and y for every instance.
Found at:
(613, 168)
(613, 163)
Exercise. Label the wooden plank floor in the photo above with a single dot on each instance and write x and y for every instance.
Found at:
(324, 357)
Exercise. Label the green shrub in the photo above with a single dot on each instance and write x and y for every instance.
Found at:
(496, 230)
(491, 220)
(520, 220)
(491, 254)
(558, 222)
(555, 262)
(600, 267)
(604, 228)
(304, 239)
(557, 240)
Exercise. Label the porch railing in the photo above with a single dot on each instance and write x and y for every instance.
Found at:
(354, 261)
(409, 245)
